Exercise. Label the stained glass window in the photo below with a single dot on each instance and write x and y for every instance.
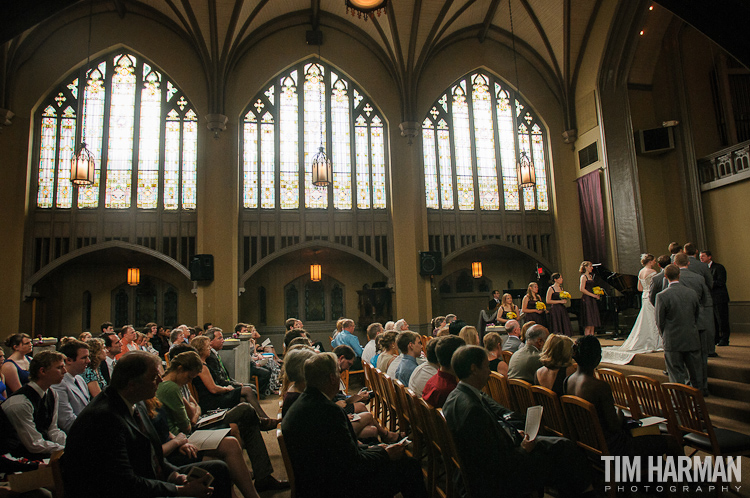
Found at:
(140, 127)
(471, 139)
(311, 105)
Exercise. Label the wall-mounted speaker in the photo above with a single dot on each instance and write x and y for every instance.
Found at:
(654, 141)
(430, 263)
(202, 267)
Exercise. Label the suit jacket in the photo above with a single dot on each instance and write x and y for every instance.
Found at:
(512, 343)
(483, 444)
(702, 269)
(492, 305)
(677, 312)
(694, 281)
(326, 457)
(107, 450)
(524, 363)
(719, 292)
(220, 376)
(72, 398)
(658, 284)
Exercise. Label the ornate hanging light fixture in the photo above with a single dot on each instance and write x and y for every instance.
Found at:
(322, 168)
(476, 269)
(368, 8)
(84, 163)
(526, 173)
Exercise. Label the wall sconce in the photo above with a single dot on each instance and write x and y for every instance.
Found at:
(316, 273)
(134, 276)
(476, 269)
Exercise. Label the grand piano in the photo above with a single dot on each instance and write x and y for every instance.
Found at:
(621, 293)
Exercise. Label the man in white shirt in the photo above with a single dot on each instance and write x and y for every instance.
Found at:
(426, 370)
(372, 332)
(32, 410)
(72, 392)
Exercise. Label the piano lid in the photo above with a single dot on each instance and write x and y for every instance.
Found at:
(622, 282)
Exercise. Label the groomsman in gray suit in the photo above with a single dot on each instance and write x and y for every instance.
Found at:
(658, 283)
(705, 324)
(677, 313)
(704, 271)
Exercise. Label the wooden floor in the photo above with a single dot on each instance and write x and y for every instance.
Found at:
(729, 403)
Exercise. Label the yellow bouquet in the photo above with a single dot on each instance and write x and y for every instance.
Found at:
(598, 291)
(564, 295)
(541, 306)
(511, 315)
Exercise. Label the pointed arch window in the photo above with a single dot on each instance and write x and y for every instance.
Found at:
(140, 127)
(471, 139)
(308, 106)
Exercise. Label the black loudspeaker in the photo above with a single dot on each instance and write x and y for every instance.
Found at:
(202, 267)
(430, 263)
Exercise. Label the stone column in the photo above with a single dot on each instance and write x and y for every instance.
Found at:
(218, 177)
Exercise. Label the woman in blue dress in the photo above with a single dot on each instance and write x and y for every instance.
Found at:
(16, 368)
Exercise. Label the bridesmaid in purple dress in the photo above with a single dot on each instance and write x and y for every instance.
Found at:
(559, 323)
(528, 305)
(589, 307)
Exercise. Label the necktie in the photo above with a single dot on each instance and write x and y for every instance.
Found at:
(221, 363)
(155, 463)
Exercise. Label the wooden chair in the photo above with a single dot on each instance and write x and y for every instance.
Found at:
(430, 470)
(553, 419)
(689, 411)
(394, 405)
(381, 397)
(620, 391)
(406, 416)
(499, 389)
(287, 463)
(373, 404)
(648, 395)
(418, 433)
(586, 431)
(506, 356)
(445, 460)
(193, 391)
(520, 393)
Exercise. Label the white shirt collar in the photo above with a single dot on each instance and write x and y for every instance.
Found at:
(36, 388)
(128, 403)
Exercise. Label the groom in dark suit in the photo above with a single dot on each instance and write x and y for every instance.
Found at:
(720, 296)
(658, 281)
(677, 313)
(113, 449)
(494, 455)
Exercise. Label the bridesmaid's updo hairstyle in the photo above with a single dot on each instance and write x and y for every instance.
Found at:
(582, 269)
(554, 277)
(16, 340)
(646, 259)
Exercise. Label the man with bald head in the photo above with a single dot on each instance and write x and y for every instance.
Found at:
(513, 342)
(525, 362)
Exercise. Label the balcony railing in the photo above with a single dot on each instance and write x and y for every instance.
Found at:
(726, 166)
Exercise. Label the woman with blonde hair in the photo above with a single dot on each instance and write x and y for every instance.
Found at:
(557, 363)
(589, 317)
(92, 375)
(530, 303)
(507, 306)
(470, 335)
(493, 345)
(388, 348)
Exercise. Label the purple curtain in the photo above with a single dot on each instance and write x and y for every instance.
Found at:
(592, 218)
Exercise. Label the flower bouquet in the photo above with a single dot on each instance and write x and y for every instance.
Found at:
(598, 291)
(541, 306)
(564, 295)
(511, 315)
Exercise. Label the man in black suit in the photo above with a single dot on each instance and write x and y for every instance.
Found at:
(326, 457)
(113, 348)
(495, 301)
(677, 313)
(487, 441)
(720, 296)
(113, 449)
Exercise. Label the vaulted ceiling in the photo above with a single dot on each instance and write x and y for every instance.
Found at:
(550, 34)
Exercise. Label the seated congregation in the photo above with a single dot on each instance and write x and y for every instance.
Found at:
(437, 412)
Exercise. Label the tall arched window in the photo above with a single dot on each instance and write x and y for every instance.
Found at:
(308, 106)
(471, 138)
(140, 127)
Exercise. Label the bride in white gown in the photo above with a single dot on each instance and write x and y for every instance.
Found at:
(644, 337)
